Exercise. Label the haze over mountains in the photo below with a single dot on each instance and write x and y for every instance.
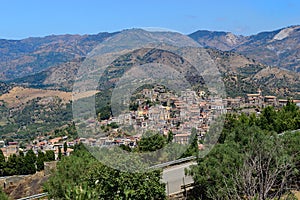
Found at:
(279, 48)
(246, 62)
(42, 65)
(19, 58)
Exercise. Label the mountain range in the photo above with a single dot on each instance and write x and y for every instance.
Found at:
(243, 61)
(37, 66)
(19, 58)
(280, 48)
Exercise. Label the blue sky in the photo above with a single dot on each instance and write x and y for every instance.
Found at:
(24, 18)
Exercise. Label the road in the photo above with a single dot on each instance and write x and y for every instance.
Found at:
(174, 177)
(294, 131)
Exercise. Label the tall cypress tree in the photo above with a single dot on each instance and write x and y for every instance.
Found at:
(59, 153)
(65, 148)
(30, 160)
(40, 161)
(50, 156)
(2, 163)
(11, 166)
(20, 164)
(170, 137)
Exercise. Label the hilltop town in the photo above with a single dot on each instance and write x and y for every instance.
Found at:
(159, 110)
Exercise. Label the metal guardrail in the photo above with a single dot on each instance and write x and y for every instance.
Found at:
(194, 157)
(173, 162)
(18, 176)
(36, 196)
(293, 131)
(190, 185)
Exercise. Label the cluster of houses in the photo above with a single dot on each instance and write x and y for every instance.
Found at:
(176, 113)
(179, 114)
(39, 144)
(160, 111)
(257, 100)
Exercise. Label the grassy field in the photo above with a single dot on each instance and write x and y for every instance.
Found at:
(20, 95)
(297, 194)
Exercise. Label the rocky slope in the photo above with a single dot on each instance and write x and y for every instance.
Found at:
(276, 48)
(240, 74)
(279, 48)
(57, 77)
(224, 41)
(19, 58)
(244, 75)
(4, 87)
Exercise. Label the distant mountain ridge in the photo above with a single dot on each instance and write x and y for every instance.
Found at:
(280, 48)
(19, 58)
(52, 62)
(224, 41)
(241, 74)
(4, 88)
(59, 77)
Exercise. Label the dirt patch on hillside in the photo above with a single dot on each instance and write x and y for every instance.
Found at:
(19, 95)
(86, 94)
(27, 186)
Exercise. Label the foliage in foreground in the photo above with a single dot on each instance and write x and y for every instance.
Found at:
(24, 164)
(3, 196)
(80, 176)
(251, 160)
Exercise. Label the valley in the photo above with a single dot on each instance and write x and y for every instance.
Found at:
(37, 98)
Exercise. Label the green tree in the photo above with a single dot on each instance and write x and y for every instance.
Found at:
(151, 142)
(40, 161)
(113, 125)
(267, 171)
(268, 119)
(288, 118)
(2, 163)
(133, 106)
(59, 153)
(21, 161)
(250, 162)
(170, 137)
(65, 148)
(192, 149)
(11, 166)
(211, 170)
(86, 178)
(229, 123)
(49, 156)
(29, 162)
(104, 112)
(291, 142)
(82, 192)
(66, 180)
(291, 107)
(125, 147)
(3, 195)
(113, 184)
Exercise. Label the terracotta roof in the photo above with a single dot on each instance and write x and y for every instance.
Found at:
(182, 135)
(270, 97)
(253, 95)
